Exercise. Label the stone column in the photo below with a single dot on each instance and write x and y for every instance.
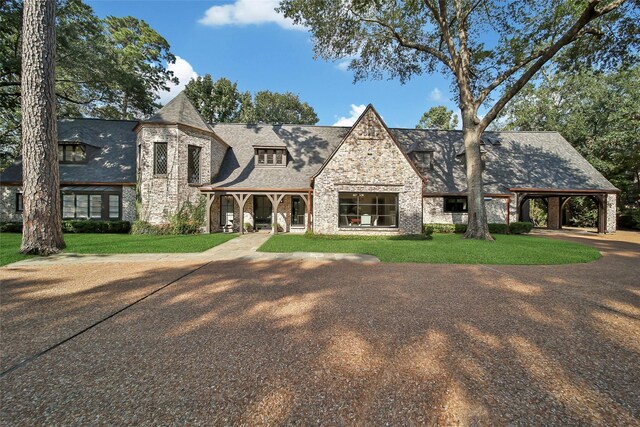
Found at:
(610, 226)
(554, 214)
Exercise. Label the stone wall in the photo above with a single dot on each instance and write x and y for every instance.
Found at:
(129, 203)
(8, 204)
(433, 211)
(610, 226)
(368, 161)
(162, 195)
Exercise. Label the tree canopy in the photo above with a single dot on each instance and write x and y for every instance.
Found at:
(107, 68)
(221, 101)
(489, 48)
(439, 117)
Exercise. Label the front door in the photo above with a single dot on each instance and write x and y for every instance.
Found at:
(262, 213)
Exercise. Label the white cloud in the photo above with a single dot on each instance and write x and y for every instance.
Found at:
(436, 95)
(247, 12)
(343, 65)
(184, 72)
(356, 111)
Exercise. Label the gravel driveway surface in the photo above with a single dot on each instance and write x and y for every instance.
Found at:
(324, 343)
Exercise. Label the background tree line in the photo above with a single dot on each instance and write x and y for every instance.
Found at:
(220, 101)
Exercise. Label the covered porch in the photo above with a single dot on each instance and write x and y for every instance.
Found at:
(557, 199)
(246, 210)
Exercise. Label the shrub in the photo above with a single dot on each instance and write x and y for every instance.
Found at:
(520, 227)
(11, 227)
(446, 228)
(143, 227)
(630, 219)
(88, 226)
(427, 231)
(248, 227)
(189, 218)
(498, 228)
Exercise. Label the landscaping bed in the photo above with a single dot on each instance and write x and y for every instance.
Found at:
(442, 249)
(118, 244)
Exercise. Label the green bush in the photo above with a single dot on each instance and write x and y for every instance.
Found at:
(88, 226)
(77, 226)
(143, 227)
(427, 231)
(498, 228)
(520, 227)
(189, 218)
(446, 228)
(248, 226)
(630, 219)
(11, 227)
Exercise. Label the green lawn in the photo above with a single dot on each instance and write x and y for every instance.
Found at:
(118, 244)
(443, 249)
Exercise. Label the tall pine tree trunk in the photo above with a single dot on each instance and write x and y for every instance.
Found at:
(42, 231)
(477, 227)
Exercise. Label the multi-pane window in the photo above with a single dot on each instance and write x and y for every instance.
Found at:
(160, 158)
(193, 164)
(297, 210)
(72, 153)
(424, 160)
(271, 157)
(114, 206)
(226, 211)
(90, 206)
(368, 210)
(455, 204)
(19, 202)
(95, 206)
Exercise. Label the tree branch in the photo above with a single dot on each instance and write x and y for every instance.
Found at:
(590, 13)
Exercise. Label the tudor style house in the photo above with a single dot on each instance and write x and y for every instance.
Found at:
(334, 180)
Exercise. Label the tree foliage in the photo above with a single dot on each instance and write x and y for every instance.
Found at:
(439, 117)
(109, 68)
(598, 112)
(221, 101)
(490, 48)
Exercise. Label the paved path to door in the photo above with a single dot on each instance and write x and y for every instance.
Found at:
(298, 341)
(243, 247)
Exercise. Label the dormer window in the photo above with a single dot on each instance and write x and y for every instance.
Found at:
(72, 153)
(423, 160)
(271, 157)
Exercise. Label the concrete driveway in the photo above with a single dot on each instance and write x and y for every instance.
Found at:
(323, 343)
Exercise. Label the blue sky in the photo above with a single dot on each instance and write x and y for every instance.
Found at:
(247, 42)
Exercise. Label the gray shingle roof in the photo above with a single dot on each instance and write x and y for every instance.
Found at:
(179, 110)
(522, 160)
(111, 152)
(308, 147)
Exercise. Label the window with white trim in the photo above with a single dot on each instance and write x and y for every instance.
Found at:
(271, 157)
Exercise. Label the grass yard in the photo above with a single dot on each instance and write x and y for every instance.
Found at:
(118, 244)
(443, 249)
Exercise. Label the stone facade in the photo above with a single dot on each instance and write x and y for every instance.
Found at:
(162, 195)
(610, 226)
(368, 160)
(433, 212)
(129, 203)
(8, 204)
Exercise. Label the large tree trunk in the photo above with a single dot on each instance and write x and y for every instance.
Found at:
(477, 227)
(42, 231)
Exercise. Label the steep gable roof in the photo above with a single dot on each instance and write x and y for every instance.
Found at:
(179, 111)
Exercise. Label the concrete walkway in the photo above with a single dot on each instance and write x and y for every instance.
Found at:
(243, 247)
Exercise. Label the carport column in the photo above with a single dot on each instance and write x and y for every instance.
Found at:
(554, 214)
(210, 198)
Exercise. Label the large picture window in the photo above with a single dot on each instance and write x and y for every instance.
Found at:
(455, 204)
(194, 165)
(368, 210)
(100, 206)
(226, 211)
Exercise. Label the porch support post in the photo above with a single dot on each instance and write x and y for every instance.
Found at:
(602, 213)
(210, 198)
(307, 199)
(241, 199)
(554, 213)
(275, 202)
